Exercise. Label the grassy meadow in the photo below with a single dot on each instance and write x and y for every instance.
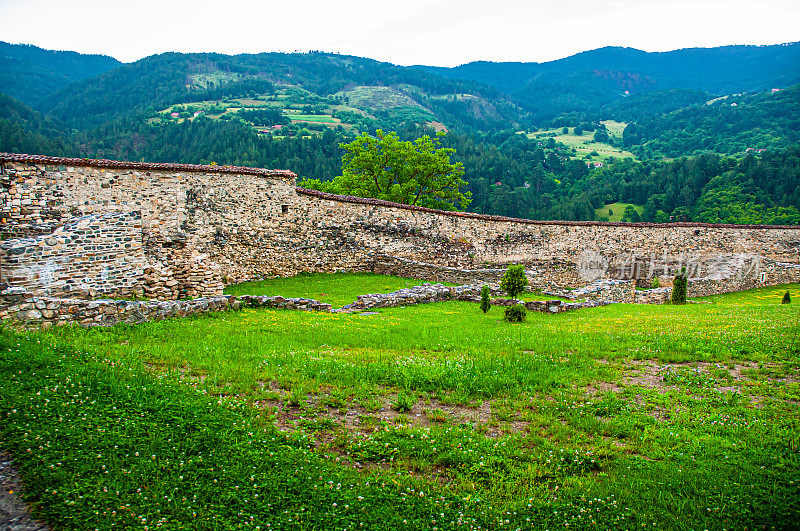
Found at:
(337, 289)
(615, 211)
(584, 145)
(427, 417)
(290, 101)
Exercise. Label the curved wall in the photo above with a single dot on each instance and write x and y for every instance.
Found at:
(256, 223)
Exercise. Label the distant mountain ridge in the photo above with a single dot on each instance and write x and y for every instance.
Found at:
(719, 70)
(30, 74)
(588, 83)
(589, 80)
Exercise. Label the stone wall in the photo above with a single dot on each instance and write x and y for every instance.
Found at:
(392, 265)
(255, 223)
(758, 272)
(653, 296)
(541, 274)
(99, 254)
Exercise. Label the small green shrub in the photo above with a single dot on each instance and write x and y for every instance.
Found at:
(655, 283)
(297, 398)
(679, 287)
(486, 304)
(403, 402)
(514, 281)
(515, 314)
(787, 299)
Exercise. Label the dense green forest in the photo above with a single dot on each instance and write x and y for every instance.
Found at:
(731, 124)
(30, 74)
(550, 141)
(23, 130)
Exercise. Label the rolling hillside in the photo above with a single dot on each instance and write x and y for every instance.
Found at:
(167, 79)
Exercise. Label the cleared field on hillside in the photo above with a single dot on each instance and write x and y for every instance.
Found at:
(583, 144)
(315, 118)
(291, 101)
(377, 98)
(620, 417)
(615, 211)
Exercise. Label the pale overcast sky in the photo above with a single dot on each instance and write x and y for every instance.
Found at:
(432, 32)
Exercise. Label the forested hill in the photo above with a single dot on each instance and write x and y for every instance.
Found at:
(587, 81)
(162, 80)
(30, 74)
(729, 124)
(23, 130)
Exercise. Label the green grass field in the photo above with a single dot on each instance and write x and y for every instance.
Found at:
(619, 417)
(315, 118)
(614, 128)
(615, 211)
(287, 99)
(336, 288)
(584, 144)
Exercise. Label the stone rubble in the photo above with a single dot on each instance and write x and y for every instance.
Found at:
(21, 309)
(428, 293)
(653, 296)
(604, 289)
(283, 303)
(24, 311)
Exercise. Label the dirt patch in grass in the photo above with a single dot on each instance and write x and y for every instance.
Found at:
(600, 387)
(653, 374)
(354, 417)
(649, 374)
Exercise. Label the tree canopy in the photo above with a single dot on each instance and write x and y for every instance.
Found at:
(417, 172)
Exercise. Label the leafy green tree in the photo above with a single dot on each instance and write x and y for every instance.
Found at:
(601, 135)
(486, 303)
(413, 173)
(631, 215)
(514, 281)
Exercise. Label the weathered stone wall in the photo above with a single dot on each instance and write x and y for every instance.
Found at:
(541, 274)
(41, 192)
(254, 223)
(760, 272)
(563, 254)
(392, 265)
(653, 296)
(99, 254)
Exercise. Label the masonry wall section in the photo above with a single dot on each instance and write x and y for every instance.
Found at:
(99, 254)
(254, 223)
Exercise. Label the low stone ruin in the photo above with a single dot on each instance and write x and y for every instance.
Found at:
(21, 309)
(428, 293)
